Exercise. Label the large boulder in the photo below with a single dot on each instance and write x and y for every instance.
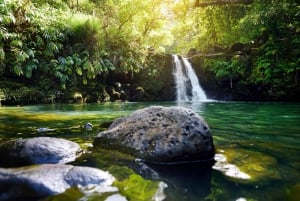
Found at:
(38, 150)
(50, 179)
(160, 135)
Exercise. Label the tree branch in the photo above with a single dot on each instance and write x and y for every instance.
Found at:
(222, 2)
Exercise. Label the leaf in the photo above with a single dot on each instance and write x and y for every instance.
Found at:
(69, 61)
(21, 56)
(62, 60)
(28, 74)
(98, 67)
(107, 64)
(54, 62)
(16, 43)
(87, 65)
(84, 80)
(77, 60)
(30, 53)
(9, 19)
(18, 70)
(79, 71)
(2, 54)
(39, 41)
(52, 47)
(47, 36)
(222, 73)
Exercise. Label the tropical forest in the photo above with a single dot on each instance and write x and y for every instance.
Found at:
(110, 50)
(150, 100)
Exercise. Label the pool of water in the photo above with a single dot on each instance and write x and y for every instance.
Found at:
(260, 140)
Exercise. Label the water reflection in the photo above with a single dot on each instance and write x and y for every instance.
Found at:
(261, 139)
(186, 181)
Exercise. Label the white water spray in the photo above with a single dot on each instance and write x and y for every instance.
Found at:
(187, 83)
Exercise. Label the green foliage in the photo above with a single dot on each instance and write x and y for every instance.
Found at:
(34, 44)
(270, 29)
(151, 75)
(204, 27)
(26, 44)
(277, 63)
(228, 71)
(71, 44)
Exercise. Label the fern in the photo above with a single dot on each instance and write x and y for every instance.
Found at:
(18, 70)
(21, 56)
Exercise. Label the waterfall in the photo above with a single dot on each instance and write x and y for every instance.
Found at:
(180, 79)
(187, 84)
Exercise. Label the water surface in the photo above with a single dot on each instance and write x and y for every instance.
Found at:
(262, 140)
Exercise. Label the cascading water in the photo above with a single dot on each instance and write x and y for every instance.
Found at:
(180, 80)
(187, 84)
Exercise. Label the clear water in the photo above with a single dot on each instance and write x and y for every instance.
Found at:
(261, 139)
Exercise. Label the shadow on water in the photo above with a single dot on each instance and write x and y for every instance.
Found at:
(190, 181)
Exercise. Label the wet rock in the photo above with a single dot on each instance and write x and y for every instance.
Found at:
(50, 179)
(38, 150)
(192, 52)
(44, 130)
(237, 47)
(160, 135)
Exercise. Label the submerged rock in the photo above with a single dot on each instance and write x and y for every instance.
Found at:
(38, 150)
(50, 179)
(247, 165)
(160, 135)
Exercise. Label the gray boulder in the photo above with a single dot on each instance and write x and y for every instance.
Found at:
(38, 150)
(160, 135)
(50, 179)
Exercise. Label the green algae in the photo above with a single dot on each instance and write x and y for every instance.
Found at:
(74, 193)
(69, 194)
(136, 188)
(294, 193)
(131, 185)
(259, 166)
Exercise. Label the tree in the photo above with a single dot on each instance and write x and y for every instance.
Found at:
(222, 2)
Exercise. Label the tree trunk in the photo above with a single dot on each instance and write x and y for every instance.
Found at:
(222, 2)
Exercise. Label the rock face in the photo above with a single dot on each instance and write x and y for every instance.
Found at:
(45, 180)
(160, 135)
(160, 85)
(38, 150)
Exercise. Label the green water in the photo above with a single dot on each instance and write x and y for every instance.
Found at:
(261, 139)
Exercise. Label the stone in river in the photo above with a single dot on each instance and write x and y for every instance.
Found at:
(40, 181)
(38, 150)
(163, 135)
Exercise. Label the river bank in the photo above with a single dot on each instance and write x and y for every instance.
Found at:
(155, 83)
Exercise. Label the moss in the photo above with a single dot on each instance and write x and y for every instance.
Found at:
(135, 188)
(294, 193)
(261, 167)
(131, 185)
